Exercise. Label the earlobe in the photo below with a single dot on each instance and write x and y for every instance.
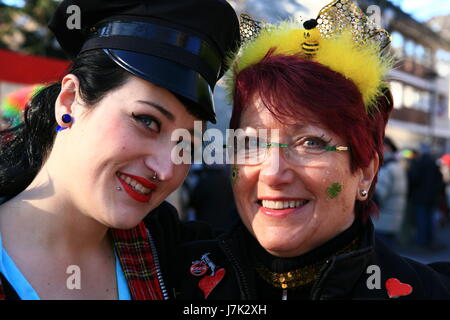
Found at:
(367, 176)
(66, 100)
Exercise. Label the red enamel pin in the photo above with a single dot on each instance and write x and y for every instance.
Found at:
(198, 268)
(396, 288)
(209, 282)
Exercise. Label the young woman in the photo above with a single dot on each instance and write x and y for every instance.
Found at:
(86, 177)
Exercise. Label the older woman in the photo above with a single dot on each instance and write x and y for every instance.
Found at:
(312, 107)
(94, 157)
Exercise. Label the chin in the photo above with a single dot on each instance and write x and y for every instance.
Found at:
(279, 250)
(283, 245)
(124, 222)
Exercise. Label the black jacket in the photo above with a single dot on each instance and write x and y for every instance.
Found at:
(344, 276)
(167, 231)
(425, 181)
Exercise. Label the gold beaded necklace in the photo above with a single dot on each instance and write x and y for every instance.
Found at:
(301, 276)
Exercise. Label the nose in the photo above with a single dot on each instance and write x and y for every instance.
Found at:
(275, 170)
(160, 162)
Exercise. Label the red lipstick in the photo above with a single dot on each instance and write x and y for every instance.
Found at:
(279, 213)
(143, 198)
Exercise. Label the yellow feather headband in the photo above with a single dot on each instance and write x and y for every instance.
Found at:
(341, 38)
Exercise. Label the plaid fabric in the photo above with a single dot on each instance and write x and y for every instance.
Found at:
(135, 255)
(2, 292)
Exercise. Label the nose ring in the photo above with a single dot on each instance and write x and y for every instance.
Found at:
(154, 177)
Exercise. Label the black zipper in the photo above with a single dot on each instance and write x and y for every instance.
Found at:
(241, 277)
(157, 266)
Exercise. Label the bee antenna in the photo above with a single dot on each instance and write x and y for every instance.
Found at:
(310, 24)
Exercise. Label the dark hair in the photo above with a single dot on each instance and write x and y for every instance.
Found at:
(23, 149)
(293, 87)
(388, 141)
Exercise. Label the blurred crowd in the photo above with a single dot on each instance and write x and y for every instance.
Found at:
(413, 195)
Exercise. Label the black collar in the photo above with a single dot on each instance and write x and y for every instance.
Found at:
(335, 279)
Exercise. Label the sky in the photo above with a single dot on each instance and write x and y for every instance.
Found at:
(15, 3)
(421, 10)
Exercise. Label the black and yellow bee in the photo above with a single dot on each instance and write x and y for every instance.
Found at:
(311, 36)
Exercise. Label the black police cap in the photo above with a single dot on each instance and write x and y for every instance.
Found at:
(181, 45)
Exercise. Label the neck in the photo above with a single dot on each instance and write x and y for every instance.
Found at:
(44, 216)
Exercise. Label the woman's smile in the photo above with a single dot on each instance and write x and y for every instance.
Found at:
(138, 188)
(281, 207)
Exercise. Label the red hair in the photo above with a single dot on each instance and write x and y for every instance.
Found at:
(293, 87)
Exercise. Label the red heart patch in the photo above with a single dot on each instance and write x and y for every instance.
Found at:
(208, 283)
(396, 289)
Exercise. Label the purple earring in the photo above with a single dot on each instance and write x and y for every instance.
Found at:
(66, 118)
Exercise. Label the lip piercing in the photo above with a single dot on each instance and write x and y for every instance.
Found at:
(363, 193)
(118, 188)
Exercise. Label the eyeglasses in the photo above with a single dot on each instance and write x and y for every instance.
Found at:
(307, 151)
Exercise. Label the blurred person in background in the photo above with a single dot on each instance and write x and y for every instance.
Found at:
(390, 194)
(425, 185)
(212, 198)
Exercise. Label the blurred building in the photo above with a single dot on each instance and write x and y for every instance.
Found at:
(420, 81)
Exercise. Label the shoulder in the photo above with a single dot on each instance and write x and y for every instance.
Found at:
(204, 272)
(428, 281)
(164, 221)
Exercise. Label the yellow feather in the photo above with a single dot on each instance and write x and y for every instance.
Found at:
(363, 65)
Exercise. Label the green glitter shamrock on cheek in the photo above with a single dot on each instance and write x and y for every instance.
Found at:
(234, 174)
(334, 190)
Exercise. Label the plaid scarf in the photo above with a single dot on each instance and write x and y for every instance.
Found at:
(2, 292)
(134, 249)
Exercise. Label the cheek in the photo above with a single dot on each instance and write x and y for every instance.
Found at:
(244, 180)
(179, 175)
(327, 183)
(244, 183)
(338, 189)
(181, 172)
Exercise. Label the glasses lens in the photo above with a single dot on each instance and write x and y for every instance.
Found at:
(248, 150)
(253, 149)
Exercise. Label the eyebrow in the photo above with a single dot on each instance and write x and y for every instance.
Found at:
(258, 126)
(160, 108)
